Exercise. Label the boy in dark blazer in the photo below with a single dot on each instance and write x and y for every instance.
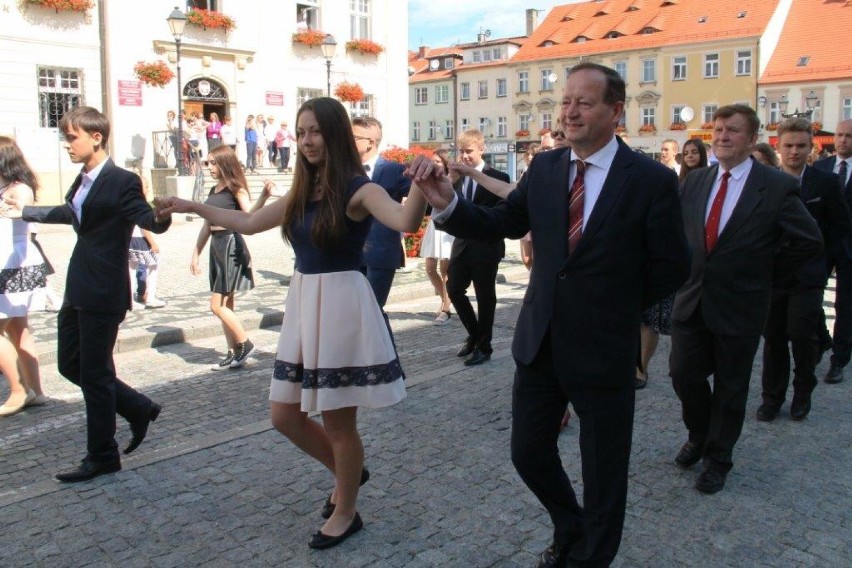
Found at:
(103, 205)
(475, 260)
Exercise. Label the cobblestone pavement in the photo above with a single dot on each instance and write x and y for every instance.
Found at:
(214, 486)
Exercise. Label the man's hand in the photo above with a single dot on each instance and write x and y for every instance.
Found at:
(165, 206)
(431, 181)
(11, 208)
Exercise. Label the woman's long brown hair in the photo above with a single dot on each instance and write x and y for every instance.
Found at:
(230, 170)
(13, 165)
(342, 162)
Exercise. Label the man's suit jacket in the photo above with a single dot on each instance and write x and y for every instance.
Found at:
(490, 250)
(827, 165)
(733, 283)
(633, 253)
(383, 247)
(98, 278)
(821, 194)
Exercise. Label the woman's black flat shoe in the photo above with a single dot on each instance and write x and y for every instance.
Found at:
(328, 507)
(320, 541)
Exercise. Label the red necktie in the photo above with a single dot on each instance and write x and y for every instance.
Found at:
(575, 207)
(711, 229)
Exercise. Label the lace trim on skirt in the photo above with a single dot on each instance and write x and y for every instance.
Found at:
(372, 375)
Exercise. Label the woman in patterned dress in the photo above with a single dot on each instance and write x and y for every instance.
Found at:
(335, 352)
(22, 282)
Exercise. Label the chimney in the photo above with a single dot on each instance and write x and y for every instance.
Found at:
(532, 20)
(422, 53)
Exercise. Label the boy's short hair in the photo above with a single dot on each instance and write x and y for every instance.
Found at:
(471, 136)
(87, 119)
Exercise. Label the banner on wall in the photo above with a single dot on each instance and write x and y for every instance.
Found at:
(130, 93)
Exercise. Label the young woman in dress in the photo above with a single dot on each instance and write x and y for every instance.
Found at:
(435, 249)
(22, 282)
(335, 352)
(230, 261)
(694, 157)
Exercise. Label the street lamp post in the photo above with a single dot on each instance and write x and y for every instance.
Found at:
(810, 101)
(177, 22)
(328, 47)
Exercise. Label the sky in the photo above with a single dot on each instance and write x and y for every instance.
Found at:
(441, 23)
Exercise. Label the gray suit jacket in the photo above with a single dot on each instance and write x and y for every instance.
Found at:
(733, 283)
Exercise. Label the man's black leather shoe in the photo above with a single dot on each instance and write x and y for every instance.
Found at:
(465, 349)
(766, 412)
(478, 357)
(87, 470)
(711, 480)
(553, 557)
(800, 407)
(689, 454)
(834, 375)
(140, 428)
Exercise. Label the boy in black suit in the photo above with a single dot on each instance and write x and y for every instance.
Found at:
(475, 260)
(103, 205)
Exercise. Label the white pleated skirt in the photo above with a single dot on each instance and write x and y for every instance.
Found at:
(335, 349)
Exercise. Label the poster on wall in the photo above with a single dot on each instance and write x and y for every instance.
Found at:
(274, 98)
(130, 93)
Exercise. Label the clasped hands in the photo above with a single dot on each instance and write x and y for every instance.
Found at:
(432, 182)
(165, 206)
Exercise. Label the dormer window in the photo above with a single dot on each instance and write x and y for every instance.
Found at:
(742, 14)
(803, 61)
(702, 19)
(448, 63)
(580, 39)
(613, 35)
(648, 31)
(547, 43)
(567, 18)
(632, 8)
(601, 13)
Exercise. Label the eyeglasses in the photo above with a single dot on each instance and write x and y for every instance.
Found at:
(558, 135)
(364, 138)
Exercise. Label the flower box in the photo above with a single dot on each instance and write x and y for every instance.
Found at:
(156, 74)
(210, 19)
(647, 128)
(677, 126)
(364, 46)
(413, 240)
(522, 134)
(707, 125)
(405, 155)
(63, 5)
(620, 129)
(816, 126)
(349, 92)
(310, 38)
(772, 126)
(543, 131)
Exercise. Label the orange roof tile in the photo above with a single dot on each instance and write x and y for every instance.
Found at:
(677, 22)
(819, 31)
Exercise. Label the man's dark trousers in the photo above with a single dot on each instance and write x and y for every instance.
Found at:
(460, 275)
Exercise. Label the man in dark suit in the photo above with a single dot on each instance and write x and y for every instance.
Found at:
(737, 215)
(608, 242)
(475, 260)
(383, 248)
(103, 205)
(840, 258)
(795, 314)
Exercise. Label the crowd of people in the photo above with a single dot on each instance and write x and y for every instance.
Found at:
(715, 248)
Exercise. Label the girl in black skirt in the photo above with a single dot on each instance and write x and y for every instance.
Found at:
(230, 261)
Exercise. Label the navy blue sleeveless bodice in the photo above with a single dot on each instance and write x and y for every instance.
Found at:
(346, 255)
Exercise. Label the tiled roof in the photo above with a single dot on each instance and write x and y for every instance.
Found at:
(819, 31)
(673, 22)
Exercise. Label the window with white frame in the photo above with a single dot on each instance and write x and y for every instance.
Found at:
(415, 130)
(421, 95)
(774, 112)
(495, 53)
(477, 56)
(816, 116)
(433, 129)
(465, 124)
(649, 115)
(679, 68)
(486, 55)
(676, 114)
(202, 4)
(307, 14)
(364, 107)
(524, 122)
(59, 90)
(359, 19)
(523, 81)
(449, 129)
(708, 111)
(846, 110)
(546, 83)
(711, 65)
(743, 62)
(484, 123)
(464, 91)
(448, 63)
(502, 127)
(442, 94)
(483, 89)
(649, 70)
(621, 69)
(547, 120)
(303, 95)
(501, 88)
